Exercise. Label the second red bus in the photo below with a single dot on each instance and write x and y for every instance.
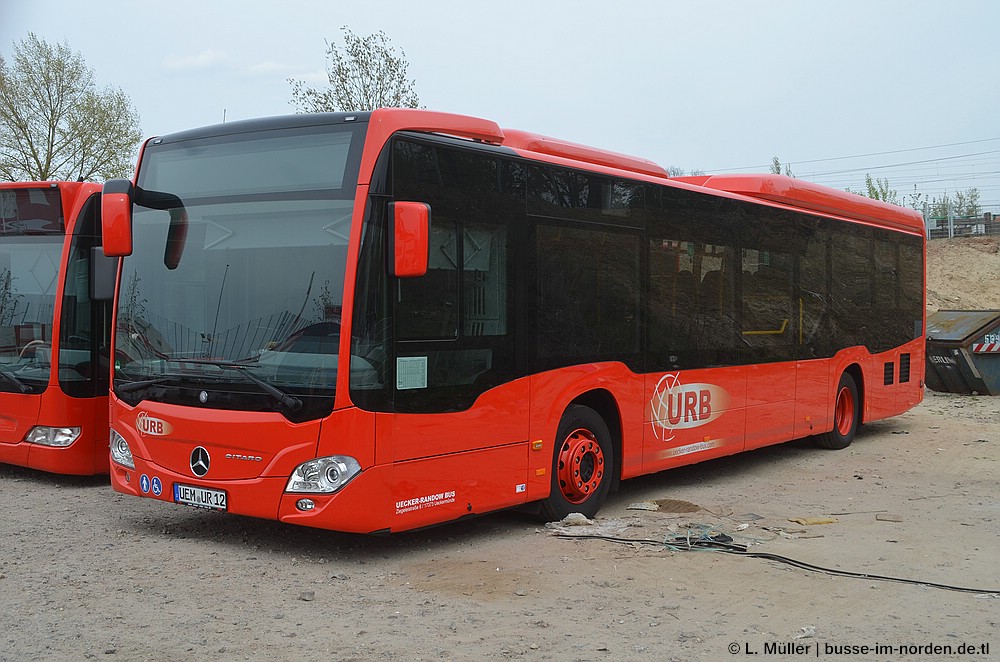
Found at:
(56, 289)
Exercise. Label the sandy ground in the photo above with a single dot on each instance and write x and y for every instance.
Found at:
(86, 573)
(962, 274)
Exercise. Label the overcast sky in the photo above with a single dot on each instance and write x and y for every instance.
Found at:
(716, 86)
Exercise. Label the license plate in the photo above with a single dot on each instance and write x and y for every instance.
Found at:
(199, 497)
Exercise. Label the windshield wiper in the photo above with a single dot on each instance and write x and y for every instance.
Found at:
(290, 401)
(24, 388)
(128, 387)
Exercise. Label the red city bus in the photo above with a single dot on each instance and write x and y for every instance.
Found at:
(56, 290)
(372, 322)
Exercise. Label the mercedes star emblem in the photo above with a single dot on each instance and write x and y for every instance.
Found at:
(200, 461)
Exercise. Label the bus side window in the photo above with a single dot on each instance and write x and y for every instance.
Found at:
(427, 306)
(453, 336)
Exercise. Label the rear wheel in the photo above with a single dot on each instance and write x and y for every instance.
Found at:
(582, 465)
(846, 416)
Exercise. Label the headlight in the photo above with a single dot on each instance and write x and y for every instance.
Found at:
(120, 452)
(323, 475)
(46, 436)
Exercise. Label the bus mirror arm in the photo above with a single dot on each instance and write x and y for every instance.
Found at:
(410, 238)
(103, 273)
(177, 231)
(176, 237)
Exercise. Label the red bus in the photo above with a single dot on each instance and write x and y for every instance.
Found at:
(372, 322)
(56, 296)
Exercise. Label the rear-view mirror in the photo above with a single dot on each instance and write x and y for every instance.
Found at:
(116, 217)
(411, 223)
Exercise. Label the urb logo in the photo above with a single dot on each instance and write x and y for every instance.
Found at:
(146, 424)
(676, 406)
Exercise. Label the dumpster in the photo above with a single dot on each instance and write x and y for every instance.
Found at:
(963, 351)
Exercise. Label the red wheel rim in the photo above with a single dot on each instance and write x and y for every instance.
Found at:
(581, 466)
(844, 415)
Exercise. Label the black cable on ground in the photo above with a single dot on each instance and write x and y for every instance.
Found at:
(724, 544)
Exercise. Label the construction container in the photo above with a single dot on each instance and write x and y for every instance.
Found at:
(963, 351)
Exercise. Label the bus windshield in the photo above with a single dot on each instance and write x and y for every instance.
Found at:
(232, 296)
(31, 239)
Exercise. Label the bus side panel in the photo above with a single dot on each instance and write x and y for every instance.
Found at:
(771, 397)
(497, 418)
(553, 391)
(880, 398)
(693, 416)
(911, 393)
(18, 414)
(893, 381)
(444, 488)
(813, 411)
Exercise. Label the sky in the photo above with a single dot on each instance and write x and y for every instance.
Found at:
(904, 90)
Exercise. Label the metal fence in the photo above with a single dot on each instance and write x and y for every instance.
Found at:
(986, 223)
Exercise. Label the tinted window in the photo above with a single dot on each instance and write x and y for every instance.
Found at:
(84, 331)
(453, 325)
(693, 276)
(588, 295)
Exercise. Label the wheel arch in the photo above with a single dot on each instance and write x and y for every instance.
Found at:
(604, 403)
(855, 371)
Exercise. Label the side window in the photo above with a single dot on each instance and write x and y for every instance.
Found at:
(816, 338)
(852, 285)
(693, 273)
(85, 327)
(911, 284)
(768, 315)
(588, 295)
(453, 325)
(427, 307)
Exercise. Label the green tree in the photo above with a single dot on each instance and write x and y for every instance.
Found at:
(878, 189)
(364, 74)
(776, 168)
(915, 200)
(965, 204)
(54, 121)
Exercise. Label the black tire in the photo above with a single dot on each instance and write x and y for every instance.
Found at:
(846, 416)
(582, 465)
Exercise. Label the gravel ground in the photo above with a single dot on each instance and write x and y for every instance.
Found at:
(86, 573)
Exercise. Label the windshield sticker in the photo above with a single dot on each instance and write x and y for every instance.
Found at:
(411, 372)
(676, 406)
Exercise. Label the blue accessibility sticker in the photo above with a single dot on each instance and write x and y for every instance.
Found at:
(144, 483)
(157, 486)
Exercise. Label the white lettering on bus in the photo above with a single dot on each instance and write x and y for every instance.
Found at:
(429, 501)
(677, 406)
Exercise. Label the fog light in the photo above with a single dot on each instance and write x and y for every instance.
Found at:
(120, 452)
(58, 437)
(305, 504)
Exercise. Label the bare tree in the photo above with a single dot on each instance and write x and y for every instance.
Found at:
(364, 74)
(56, 124)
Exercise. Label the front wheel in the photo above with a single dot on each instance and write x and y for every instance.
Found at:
(582, 465)
(846, 416)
